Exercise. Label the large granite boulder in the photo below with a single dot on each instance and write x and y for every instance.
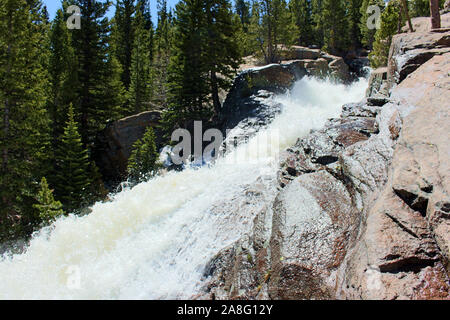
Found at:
(114, 144)
(410, 50)
(313, 222)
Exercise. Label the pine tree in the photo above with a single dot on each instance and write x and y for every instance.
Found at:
(272, 26)
(143, 161)
(383, 37)
(204, 46)
(302, 14)
(242, 8)
(354, 18)
(144, 7)
(140, 87)
(188, 72)
(47, 207)
(335, 24)
(162, 53)
(222, 55)
(24, 128)
(256, 34)
(123, 36)
(72, 180)
(317, 17)
(421, 8)
(63, 73)
(100, 92)
(244, 43)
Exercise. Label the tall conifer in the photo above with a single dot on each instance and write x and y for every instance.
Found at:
(24, 130)
(72, 181)
(141, 67)
(100, 91)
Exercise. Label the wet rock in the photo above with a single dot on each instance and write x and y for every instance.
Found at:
(359, 66)
(300, 53)
(377, 100)
(366, 164)
(423, 156)
(360, 109)
(241, 270)
(321, 148)
(363, 212)
(248, 95)
(398, 247)
(312, 223)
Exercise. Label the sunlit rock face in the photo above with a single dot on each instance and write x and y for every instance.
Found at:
(363, 206)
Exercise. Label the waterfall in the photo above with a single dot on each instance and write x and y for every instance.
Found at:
(153, 241)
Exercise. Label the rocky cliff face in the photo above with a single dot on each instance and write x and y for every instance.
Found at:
(364, 203)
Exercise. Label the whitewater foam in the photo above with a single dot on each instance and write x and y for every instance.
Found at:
(154, 240)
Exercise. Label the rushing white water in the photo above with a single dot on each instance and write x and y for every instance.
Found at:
(153, 241)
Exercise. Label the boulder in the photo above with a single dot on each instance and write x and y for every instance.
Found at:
(339, 69)
(242, 270)
(425, 145)
(312, 224)
(423, 24)
(376, 80)
(300, 53)
(114, 144)
(446, 8)
(321, 148)
(410, 50)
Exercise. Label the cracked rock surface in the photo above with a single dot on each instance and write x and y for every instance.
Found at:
(363, 207)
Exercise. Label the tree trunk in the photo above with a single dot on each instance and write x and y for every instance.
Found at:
(215, 93)
(435, 16)
(405, 9)
(399, 24)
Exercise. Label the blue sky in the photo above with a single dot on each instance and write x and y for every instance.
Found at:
(54, 5)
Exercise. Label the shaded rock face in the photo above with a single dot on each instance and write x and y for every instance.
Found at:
(363, 205)
(115, 143)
